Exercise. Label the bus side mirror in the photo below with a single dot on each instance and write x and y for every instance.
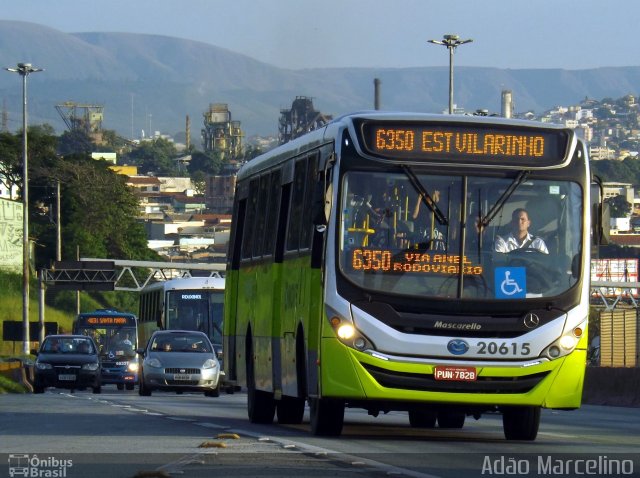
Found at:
(600, 215)
(140, 351)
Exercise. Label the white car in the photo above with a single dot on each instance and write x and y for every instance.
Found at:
(180, 361)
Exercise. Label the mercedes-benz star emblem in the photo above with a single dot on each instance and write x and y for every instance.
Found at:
(531, 321)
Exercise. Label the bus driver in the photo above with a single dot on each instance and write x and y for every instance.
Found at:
(519, 236)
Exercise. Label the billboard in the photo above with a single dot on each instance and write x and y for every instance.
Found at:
(615, 270)
(10, 235)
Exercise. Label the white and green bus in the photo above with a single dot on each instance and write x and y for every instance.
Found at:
(371, 265)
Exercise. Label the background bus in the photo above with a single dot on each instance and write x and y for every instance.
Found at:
(116, 335)
(190, 303)
(364, 271)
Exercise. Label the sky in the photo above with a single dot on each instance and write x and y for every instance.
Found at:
(296, 34)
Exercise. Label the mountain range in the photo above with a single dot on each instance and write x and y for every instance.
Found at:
(152, 82)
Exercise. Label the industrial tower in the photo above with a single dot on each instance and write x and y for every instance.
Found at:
(300, 119)
(221, 135)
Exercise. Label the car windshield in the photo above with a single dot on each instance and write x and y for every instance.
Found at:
(68, 345)
(459, 236)
(181, 343)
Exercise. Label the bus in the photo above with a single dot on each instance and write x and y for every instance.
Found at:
(187, 303)
(115, 333)
(363, 271)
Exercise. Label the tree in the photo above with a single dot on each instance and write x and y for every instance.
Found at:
(76, 141)
(207, 163)
(199, 181)
(618, 206)
(156, 156)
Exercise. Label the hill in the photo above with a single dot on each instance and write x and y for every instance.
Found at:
(152, 82)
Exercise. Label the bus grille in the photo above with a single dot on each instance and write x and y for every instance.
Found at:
(426, 382)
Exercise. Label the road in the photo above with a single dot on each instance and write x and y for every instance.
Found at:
(120, 434)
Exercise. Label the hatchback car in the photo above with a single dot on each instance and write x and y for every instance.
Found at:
(179, 360)
(67, 361)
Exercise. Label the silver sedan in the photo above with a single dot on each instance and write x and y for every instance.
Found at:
(179, 360)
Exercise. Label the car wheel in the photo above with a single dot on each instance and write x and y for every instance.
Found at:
(142, 388)
(213, 393)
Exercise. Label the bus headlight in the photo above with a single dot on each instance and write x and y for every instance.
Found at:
(346, 331)
(133, 367)
(566, 343)
(349, 335)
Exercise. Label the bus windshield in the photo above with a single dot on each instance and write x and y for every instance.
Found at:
(118, 342)
(460, 236)
(189, 309)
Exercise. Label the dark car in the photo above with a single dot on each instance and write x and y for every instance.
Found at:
(179, 360)
(67, 361)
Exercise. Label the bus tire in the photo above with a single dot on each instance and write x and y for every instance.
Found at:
(422, 418)
(120, 386)
(128, 386)
(261, 407)
(451, 419)
(327, 416)
(521, 423)
(97, 389)
(290, 410)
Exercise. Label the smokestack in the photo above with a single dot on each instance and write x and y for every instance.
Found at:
(376, 93)
(188, 132)
(507, 104)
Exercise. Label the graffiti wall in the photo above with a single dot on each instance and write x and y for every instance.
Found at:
(10, 235)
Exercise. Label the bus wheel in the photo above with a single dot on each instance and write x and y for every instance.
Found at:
(128, 386)
(327, 416)
(261, 407)
(97, 389)
(422, 418)
(120, 386)
(290, 410)
(451, 419)
(521, 423)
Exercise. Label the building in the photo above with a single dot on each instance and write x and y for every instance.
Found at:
(219, 193)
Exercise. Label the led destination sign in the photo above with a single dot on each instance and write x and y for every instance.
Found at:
(107, 320)
(535, 146)
(385, 261)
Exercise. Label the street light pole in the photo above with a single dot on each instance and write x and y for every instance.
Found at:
(24, 69)
(451, 42)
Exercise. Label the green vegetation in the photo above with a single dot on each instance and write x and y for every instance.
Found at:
(9, 386)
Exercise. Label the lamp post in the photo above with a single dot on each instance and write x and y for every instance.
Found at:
(24, 69)
(451, 42)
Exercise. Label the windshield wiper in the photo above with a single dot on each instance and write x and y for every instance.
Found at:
(520, 178)
(425, 196)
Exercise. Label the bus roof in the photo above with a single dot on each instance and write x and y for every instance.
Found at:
(331, 131)
(216, 283)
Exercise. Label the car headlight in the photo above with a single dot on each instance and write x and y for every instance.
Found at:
(210, 363)
(43, 366)
(90, 366)
(133, 367)
(153, 362)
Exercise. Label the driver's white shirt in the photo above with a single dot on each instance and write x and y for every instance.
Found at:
(511, 243)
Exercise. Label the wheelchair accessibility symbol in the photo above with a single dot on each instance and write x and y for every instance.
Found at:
(510, 282)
